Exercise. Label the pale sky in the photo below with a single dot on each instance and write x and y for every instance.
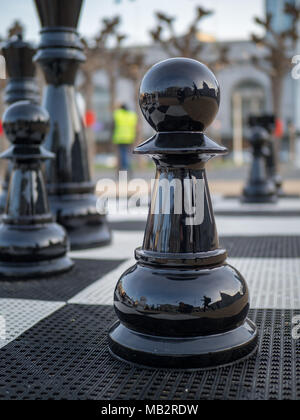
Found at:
(233, 19)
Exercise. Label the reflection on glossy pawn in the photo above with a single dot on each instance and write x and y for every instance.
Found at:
(260, 187)
(21, 85)
(31, 244)
(71, 191)
(181, 305)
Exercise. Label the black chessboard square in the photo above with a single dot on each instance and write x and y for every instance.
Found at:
(61, 287)
(261, 246)
(65, 356)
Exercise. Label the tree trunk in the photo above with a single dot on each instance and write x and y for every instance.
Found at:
(88, 91)
(112, 90)
(277, 91)
(113, 104)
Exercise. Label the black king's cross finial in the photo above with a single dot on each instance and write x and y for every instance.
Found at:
(181, 305)
(31, 244)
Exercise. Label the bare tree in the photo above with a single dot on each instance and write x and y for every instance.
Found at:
(277, 61)
(103, 52)
(187, 45)
(17, 28)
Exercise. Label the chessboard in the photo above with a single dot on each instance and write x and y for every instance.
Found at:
(54, 344)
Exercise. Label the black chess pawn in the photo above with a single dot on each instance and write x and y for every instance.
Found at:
(181, 305)
(260, 187)
(71, 191)
(31, 244)
(21, 85)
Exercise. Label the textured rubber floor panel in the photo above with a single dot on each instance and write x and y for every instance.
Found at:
(19, 315)
(101, 292)
(66, 356)
(262, 246)
(274, 283)
(60, 287)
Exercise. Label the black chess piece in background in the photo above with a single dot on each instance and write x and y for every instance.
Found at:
(268, 122)
(71, 191)
(31, 244)
(260, 187)
(21, 85)
(272, 167)
(181, 305)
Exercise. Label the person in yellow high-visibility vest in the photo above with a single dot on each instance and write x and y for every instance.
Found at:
(124, 134)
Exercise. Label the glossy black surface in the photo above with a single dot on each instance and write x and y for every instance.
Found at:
(55, 13)
(71, 191)
(168, 232)
(31, 244)
(21, 85)
(260, 187)
(192, 353)
(181, 302)
(181, 305)
(271, 167)
(179, 94)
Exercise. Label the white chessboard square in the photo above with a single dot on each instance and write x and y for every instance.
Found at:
(234, 204)
(122, 247)
(274, 283)
(258, 226)
(18, 315)
(101, 292)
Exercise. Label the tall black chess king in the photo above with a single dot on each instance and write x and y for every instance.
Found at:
(71, 191)
(181, 305)
(21, 85)
(260, 187)
(31, 244)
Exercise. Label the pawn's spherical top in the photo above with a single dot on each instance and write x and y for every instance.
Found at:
(25, 122)
(179, 94)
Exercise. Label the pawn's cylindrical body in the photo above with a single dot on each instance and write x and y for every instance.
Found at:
(181, 305)
(21, 85)
(71, 191)
(31, 243)
(260, 187)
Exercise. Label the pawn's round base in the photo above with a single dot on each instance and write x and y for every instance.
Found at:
(23, 271)
(259, 199)
(89, 236)
(33, 250)
(183, 353)
(260, 194)
(181, 317)
(281, 193)
(77, 213)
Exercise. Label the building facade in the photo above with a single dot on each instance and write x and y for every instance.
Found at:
(280, 21)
